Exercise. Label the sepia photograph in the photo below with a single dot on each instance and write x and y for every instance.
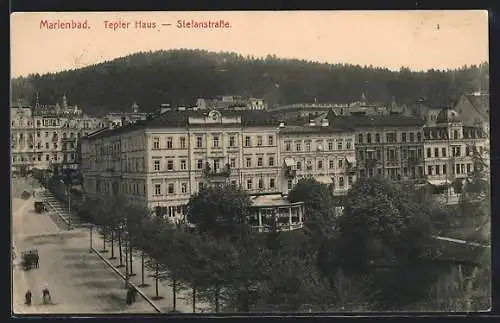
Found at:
(250, 162)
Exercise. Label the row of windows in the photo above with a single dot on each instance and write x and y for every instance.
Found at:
(442, 169)
(341, 182)
(391, 154)
(38, 157)
(216, 142)
(319, 145)
(389, 137)
(320, 164)
(217, 163)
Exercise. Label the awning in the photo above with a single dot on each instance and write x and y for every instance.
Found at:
(351, 160)
(438, 182)
(289, 162)
(324, 179)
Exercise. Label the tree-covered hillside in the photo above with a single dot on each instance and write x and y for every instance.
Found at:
(181, 76)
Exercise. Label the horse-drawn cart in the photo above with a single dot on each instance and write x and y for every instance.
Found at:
(39, 207)
(30, 259)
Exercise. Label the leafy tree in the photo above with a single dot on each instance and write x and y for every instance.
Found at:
(220, 210)
(384, 227)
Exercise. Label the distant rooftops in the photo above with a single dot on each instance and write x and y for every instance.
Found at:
(356, 121)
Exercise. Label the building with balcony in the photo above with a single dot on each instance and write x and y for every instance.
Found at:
(388, 146)
(45, 137)
(22, 139)
(452, 150)
(320, 151)
(162, 161)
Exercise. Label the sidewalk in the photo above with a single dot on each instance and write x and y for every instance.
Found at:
(165, 303)
(184, 300)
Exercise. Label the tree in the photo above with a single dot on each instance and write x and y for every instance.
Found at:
(220, 210)
(385, 231)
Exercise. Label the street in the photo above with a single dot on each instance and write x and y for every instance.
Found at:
(79, 282)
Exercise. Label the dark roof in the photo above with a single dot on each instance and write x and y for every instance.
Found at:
(358, 121)
(481, 103)
(249, 118)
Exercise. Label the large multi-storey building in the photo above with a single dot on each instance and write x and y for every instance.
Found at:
(387, 146)
(46, 136)
(452, 150)
(319, 151)
(161, 162)
(22, 141)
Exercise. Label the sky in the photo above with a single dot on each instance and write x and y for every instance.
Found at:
(419, 40)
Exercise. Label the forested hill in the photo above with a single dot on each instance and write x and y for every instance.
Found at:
(180, 77)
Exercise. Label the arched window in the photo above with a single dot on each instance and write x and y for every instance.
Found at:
(360, 138)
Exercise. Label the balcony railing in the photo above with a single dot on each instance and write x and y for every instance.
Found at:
(221, 172)
(290, 173)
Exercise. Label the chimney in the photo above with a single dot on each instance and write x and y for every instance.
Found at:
(282, 125)
(324, 123)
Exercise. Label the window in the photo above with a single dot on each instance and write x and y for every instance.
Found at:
(233, 183)
(248, 141)
(412, 137)
(467, 150)
(288, 146)
(455, 134)
(330, 145)
(429, 153)
(298, 165)
(216, 165)
(182, 142)
(46, 134)
(298, 146)
(38, 134)
(199, 142)
(443, 152)
(436, 152)
(369, 138)
(339, 144)
(249, 162)
(156, 164)
(341, 163)
(360, 138)
(261, 183)
(290, 184)
(156, 143)
(39, 157)
(231, 141)
(361, 155)
(216, 141)
(444, 169)
(170, 164)
(320, 164)
(419, 137)
(270, 140)
(437, 169)
(199, 164)
(348, 144)
(390, 137)
(341, 181)
(379, 155)
(157, 189)
(232, 163)
(249, 184)
(259, 141)
(331, 163)
(349, 180)
(259, 161)
(200, 186)
(429, 170)
(171, 188)
(183, 164)
(468, 168)
(46, 145)
(457, 168)
(403, 136)
(377, 138)
(271, 183)
(47, 157)
(271, 161)
(308, 146)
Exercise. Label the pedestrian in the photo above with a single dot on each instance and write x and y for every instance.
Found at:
(36, 260)
(27, 298)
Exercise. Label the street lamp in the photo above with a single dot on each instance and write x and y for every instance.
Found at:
(126, 264)
(69, 202)
(91, 227)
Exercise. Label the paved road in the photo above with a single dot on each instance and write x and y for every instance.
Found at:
(80, 283)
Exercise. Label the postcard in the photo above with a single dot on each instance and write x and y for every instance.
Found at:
(250, 162)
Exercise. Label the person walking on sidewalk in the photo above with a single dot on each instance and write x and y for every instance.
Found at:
(27, 298)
